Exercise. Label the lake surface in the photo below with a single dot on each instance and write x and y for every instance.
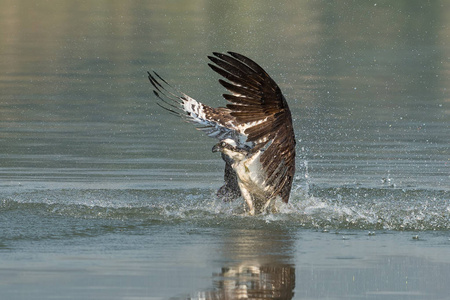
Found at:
(103, 195)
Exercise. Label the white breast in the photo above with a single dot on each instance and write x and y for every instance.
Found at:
(251, 174)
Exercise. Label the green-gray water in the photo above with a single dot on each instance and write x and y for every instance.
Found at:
(103, 195)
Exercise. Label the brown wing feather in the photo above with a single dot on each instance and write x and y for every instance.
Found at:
(255, 97)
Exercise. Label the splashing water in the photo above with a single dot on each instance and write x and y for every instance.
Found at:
(312, 207)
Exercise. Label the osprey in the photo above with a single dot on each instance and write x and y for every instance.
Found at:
(255, 133)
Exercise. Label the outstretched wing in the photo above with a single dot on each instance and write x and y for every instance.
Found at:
(261, 114)
(215, 122)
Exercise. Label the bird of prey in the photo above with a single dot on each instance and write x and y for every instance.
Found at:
(255, 133)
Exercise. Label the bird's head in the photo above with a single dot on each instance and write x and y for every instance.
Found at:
(227, 144)
(229, 149)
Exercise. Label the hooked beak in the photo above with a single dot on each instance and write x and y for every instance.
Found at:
(216, 148)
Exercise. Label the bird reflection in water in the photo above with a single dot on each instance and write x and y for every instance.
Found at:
(261, 269)
(253, 282)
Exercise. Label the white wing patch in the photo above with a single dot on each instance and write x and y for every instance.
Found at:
(194, 109)
(216, 123)
(244, 126)
(208, 120)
